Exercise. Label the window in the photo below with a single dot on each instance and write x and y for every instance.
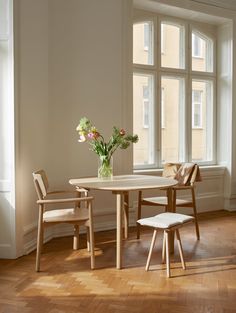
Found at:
(6, 91)
(202, 52)
(162, 107)
(143, 43)
(172, 126)
(197, 46)
(143, 97)
(172, 36)
(197, 108)
(145, 106)
(147, 38)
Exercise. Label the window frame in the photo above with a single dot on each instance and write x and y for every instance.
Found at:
(186, 73)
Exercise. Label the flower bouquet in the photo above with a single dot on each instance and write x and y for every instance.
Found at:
(119, 139)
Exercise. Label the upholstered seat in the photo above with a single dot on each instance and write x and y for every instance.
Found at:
(167, 222)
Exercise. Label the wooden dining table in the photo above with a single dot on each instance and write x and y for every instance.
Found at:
(120, 186)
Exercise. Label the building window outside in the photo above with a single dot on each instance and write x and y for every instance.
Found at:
(174, 139)
(196, 108)
(146, 36)
(145, 107)
(162, 108)
(196, 46)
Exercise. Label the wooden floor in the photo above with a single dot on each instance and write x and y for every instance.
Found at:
(66, 283)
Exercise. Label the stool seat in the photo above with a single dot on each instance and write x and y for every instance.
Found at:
(165, 220)
(169, 222)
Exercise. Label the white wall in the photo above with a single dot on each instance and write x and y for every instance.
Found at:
(71, 62)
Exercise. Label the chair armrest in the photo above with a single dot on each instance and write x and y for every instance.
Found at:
(61, 191)
(51, 201)
(183, 187)
(79, 189)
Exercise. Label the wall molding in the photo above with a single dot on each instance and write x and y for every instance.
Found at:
(226, 4)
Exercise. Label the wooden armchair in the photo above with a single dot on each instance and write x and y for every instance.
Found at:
(186, 174)
(79, 214)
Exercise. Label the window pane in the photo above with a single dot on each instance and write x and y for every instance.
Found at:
(202, 117)
(143, 119)
(202, 53)
(172, 45)
(196, 108)
(171, 144)
(143, 43)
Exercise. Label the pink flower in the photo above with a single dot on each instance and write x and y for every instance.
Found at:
(122, 132)
(90, 135)
(93, 135)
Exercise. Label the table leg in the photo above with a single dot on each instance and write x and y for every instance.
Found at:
(170, 208)
(119, 212)
(126, 216)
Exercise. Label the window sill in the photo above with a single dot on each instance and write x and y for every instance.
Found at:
(206, 171)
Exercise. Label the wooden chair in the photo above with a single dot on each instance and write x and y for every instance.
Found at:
(186, 174)
(79, 214)
(169, 222)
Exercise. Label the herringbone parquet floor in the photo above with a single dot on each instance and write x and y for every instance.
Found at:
(66, 283)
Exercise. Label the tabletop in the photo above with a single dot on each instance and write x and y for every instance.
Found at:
(124, 182)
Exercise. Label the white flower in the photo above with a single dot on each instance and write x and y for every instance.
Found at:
(82, 138)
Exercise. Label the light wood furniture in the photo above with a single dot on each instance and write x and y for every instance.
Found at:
(121, 186)
(169, 222)
(78, 215)
(186, 183)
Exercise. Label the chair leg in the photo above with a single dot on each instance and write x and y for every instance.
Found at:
(91, 236)
(164, 248)
(39, 238)
(195, 214)
(91, 245)
(88, 239)
(180, 249)
(174, 201)
(139, 213)
(76, 237)
(126, 216)
(151, 249)
(167, 254)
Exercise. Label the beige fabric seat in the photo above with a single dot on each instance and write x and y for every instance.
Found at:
(167, 222)
(80, 214)
(186, 174)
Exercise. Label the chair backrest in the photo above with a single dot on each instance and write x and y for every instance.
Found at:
(186, 173)
(40, 183)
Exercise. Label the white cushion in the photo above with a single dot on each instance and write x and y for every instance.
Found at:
(165, 220)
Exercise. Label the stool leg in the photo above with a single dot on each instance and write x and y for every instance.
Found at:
(167, 253)
(76, 237)
(180, 249)
(151, 249)
(139, 213)
(195, 214)
(164, 248)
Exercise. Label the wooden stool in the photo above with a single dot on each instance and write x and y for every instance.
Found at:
(168, 222)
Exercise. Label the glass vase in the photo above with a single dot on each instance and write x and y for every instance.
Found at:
(105, 167)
